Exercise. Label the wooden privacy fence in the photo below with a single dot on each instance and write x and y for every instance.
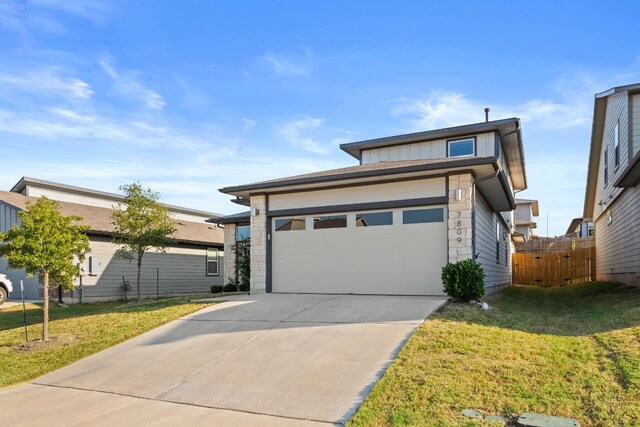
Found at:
(554, 262)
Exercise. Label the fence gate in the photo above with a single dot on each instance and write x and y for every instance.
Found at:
(554, 262)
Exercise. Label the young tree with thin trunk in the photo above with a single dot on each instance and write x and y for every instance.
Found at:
(48, 244)
(141, 223)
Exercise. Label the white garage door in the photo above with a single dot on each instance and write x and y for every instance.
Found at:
(396, 252)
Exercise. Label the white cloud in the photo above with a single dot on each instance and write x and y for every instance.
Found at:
(248, 124)
(286, 66)
(32, 16)
(127, 83)
(93, 10)
(450, 108)
(47, 81)
(292, 132)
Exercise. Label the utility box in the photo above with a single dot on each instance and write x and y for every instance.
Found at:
(94, 266)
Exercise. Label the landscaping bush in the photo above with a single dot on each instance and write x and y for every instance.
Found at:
(463, 280)
(216, 289)
(244, 287)
(230, 287)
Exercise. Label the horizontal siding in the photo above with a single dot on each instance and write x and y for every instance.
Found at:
(485, 226)
(436, 149)
(181, 268)
(617, 112)
(618, 243)
(413, 189)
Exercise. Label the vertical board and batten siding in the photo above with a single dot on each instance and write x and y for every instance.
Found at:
(413, 189)
(436, 149)
(485, 223)
(635, 123)
(9, 217)
(616, 112)
(182, 271)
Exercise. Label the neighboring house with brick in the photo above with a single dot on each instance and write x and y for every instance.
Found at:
(190, 266)
(612, 199)
(526, 211)
(389, 224)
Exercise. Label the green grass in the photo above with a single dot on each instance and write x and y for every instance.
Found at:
(572, 351)
(77, 331)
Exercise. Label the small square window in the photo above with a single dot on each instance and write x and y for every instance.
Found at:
(462, 147)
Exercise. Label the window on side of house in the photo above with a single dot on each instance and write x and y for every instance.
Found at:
(606, 166)
(420, 216)
(461, 147)
(497, 242)
(329, 221)
(212, 261)
(616, 145)
(289, 224)
(374, 219)
(243, 232)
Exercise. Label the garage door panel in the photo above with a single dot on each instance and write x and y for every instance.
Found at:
(390, 259)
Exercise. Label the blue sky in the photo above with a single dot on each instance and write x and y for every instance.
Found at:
(188, 97)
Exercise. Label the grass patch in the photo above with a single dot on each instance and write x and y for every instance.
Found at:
(77, 331)
(571, 351)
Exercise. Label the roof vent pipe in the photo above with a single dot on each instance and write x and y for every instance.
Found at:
(486, 114)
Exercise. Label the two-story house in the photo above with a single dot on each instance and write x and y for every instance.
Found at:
(612, 199)
(526, 210)
(389, 224)
(190, 265)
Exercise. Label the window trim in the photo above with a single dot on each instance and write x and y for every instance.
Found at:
(616, 145)
(606, 166)
(217, 261)
(470, 138)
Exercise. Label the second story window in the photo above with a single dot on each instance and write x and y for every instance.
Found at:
(461, 147)
(616, 144)
(606, 166)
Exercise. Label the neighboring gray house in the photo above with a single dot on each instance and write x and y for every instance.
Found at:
(580, 228)
(189, 266)
(389, 224)
(526, 210)
(612, 200)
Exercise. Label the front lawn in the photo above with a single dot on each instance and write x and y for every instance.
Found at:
(572, 351)
(77, 331)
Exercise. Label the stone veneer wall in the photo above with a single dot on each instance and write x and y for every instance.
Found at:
(259, 244)
(229, 253)
(459, 224)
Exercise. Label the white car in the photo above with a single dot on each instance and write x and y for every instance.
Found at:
(5, 288)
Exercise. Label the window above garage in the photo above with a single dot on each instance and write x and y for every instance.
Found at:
(461, 147)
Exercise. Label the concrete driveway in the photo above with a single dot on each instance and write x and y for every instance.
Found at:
(274, 359)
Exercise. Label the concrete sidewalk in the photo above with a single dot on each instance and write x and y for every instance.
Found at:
(275, 359)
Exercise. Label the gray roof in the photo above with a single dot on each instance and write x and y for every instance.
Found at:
(355, 148)
(232, 219)
(363, 171)
(25, 180)
(98, 220)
